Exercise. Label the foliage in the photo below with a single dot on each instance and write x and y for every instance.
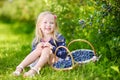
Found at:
(97, 21)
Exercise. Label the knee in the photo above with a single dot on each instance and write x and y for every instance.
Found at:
(46, 50)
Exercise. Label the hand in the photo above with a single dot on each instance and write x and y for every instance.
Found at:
(47, 44)
(40, 45)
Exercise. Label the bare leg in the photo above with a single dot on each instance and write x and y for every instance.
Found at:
(44, 58)
(45, 55)
(32, 56)
(29, 59)
(53, 58)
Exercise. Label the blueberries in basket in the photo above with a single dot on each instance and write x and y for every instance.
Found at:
(82, 55)
(68, 63)
(64, 63)
(91, 54)
(59, 64)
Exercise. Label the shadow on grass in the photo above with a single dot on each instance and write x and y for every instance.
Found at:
(19, 27)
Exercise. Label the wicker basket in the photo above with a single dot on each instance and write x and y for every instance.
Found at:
(83, 55)
(73, 65)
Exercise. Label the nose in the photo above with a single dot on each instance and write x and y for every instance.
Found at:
(48, 25)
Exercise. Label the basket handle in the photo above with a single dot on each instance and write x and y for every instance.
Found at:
(67, 51)
(82, 40)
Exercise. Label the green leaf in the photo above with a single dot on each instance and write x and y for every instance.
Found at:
(115, 68)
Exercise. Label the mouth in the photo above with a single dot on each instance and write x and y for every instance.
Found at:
(47, 28)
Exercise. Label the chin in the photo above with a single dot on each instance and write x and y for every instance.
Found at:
(48, 32)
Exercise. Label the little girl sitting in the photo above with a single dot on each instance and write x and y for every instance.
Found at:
(46, 40)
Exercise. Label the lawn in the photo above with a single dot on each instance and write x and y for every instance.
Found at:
(15, 46)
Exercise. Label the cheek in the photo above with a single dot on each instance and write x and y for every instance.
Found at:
(53, 25)
(41, 26)
(53, 28)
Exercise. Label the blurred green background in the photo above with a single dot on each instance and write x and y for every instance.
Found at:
(97, 21)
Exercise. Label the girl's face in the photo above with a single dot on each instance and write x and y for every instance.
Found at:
(47, 24)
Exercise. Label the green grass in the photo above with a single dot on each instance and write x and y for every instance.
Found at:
(14, 47)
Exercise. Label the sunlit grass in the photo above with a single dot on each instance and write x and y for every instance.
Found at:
(14, 47)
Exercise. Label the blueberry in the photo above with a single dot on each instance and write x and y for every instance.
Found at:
(90, 23)
(81, 22)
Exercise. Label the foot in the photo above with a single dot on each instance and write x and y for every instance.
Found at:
(31, 73)
(18, 71)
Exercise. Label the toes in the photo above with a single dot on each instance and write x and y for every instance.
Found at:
(30, 73)
(16, 73)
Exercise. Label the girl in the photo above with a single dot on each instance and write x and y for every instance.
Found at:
(46, 41)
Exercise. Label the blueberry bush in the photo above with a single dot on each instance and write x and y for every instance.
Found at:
(97, 21)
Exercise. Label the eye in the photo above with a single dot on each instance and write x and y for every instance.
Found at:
(45, 22)
(51, 22)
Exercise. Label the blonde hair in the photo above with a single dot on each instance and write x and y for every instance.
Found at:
(38, 31)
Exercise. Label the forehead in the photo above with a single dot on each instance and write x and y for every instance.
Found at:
(49, 17)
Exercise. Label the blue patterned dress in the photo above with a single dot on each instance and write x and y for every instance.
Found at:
(61, 52)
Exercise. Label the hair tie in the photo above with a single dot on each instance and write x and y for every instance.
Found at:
(55, 16)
